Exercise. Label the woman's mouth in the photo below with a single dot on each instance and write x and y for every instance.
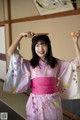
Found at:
(41, 52)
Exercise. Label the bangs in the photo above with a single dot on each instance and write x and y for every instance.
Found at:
(43, 39)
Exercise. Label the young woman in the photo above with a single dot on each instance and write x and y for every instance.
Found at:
(50, 79)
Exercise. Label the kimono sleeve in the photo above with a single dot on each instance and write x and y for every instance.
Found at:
(70, 80)
(18, 75)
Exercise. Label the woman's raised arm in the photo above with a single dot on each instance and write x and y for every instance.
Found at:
(76, 38)
(14, 45)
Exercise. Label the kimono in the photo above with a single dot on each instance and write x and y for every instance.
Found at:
(49, 85)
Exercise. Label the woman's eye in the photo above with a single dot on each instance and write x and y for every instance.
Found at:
(38, 45)
(44, 44)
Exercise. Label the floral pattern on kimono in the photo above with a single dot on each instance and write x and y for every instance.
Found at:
(21, 74)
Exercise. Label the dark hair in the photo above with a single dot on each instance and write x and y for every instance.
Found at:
(52, 61)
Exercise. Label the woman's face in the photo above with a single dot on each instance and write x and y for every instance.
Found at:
(41, 49)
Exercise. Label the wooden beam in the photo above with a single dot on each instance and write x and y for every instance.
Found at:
(2, 23)
(3, 57)
(38, 17)
(9, 21)
(1, 80)
(70, 115)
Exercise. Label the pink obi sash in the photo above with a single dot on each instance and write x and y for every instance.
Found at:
(44, 85)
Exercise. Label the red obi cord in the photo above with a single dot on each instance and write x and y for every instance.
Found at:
(44, 85)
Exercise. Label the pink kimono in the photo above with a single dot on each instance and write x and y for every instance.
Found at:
(49, 86)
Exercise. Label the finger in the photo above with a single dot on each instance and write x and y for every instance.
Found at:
(25, 35)
(73, 34)
(77, 34)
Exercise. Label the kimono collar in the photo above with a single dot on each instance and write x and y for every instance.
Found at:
(42, 63)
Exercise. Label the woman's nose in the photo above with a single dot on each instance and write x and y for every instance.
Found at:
(41, 47)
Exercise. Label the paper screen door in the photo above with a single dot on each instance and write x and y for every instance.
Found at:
(2, 53)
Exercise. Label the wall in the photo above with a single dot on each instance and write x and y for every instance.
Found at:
(1, 11)
(59, 32)
(23, 9)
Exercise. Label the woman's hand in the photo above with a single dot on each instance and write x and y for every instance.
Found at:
(14, 45)
(28, 34)
(75, 36)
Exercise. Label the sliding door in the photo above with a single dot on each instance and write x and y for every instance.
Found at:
(2, 53)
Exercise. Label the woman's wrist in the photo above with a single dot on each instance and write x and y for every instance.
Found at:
(26, 34)
(21, 35)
